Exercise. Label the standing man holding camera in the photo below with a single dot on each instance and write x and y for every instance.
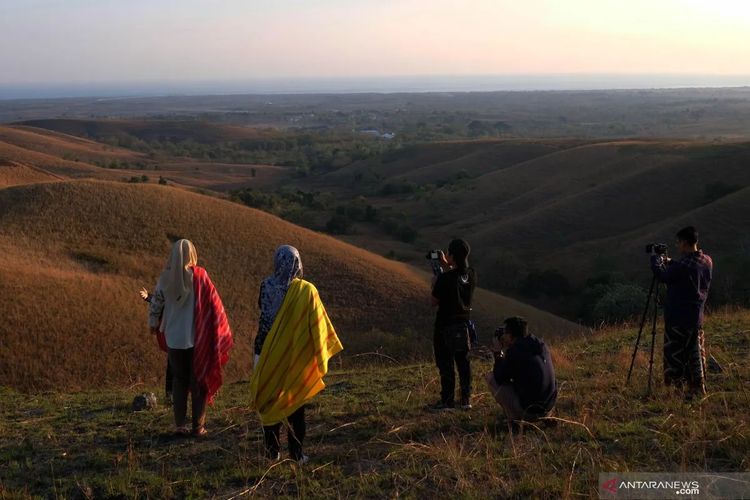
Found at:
(688, 280)
(452, 293)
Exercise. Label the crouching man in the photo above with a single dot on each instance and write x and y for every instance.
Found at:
(523, 379)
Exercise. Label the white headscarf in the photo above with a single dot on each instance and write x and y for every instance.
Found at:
(177, 278)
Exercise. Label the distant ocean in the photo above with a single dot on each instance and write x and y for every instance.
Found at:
(395, 84)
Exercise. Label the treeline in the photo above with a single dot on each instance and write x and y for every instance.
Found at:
(305, 152)
(125, 165)
(144, 179)
(607, 295)
(322, 211)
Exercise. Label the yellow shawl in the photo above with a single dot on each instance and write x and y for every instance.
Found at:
(295, 355)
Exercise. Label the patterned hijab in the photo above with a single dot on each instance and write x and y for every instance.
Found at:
(287, 267)
(177, 278)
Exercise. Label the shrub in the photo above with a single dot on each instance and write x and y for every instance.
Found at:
(407, 234)
(550, 283)
(619, 302)
(503, 272)
(339, 224)
(391, 189)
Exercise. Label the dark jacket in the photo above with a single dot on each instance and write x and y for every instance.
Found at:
(527, 365)
(688, 280)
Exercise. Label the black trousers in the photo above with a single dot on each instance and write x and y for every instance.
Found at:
(168, 379)
(445, 360)
(185, 386)
(295, 435)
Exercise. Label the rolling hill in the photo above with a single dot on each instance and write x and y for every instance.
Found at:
(605, 201)
(150, 130)
(530, 206)
(77, 252)
(12, 173)
(601, 200)
(76, 156)
(441, 162)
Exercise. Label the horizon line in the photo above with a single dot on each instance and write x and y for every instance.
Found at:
(376, 84)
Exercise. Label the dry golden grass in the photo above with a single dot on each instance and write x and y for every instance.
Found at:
(13, 174)
(48, 162)
(152, 129)
(56, 153)
(76, 253)
(221, 177)
(370, 436)
(59, 144)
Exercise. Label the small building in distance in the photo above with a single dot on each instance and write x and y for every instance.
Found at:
(376, 133)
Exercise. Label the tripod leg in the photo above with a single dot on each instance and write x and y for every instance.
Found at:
(653, 338)
(640, 329)
(702, 346)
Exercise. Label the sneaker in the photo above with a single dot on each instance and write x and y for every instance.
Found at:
(440, 406)
(303, 459)
(273, 457)
(466, 406)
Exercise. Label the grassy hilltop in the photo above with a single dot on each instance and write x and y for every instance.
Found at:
(371, 438)
(77, 252)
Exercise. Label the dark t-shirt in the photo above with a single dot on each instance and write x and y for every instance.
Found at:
(528, 366)
(454, 291)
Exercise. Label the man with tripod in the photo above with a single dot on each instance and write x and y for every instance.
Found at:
(688, 280)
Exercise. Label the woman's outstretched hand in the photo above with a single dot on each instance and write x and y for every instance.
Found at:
(144, 294)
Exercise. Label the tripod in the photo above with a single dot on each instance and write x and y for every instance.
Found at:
(653, 292)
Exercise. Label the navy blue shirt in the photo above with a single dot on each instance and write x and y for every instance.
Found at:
(527, 365)
(688, 280)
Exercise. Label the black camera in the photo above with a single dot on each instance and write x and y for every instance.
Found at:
(499, 332)
(657, 248)
(434, 254)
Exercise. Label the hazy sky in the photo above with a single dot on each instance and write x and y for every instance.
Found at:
(137, 40)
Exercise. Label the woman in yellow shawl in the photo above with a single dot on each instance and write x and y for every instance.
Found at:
(295, 340)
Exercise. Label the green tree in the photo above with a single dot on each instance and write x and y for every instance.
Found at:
(339, 224)
(550, 283)
(619, 302)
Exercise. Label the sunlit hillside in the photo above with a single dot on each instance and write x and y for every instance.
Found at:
(77, 252)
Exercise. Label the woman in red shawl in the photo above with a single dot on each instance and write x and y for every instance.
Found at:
(187, 308)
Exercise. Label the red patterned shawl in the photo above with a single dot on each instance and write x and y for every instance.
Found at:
(213, 337)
